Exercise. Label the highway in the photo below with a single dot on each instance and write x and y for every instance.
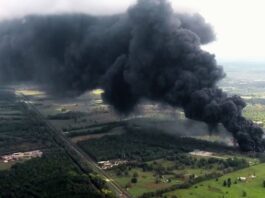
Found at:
(73, 149)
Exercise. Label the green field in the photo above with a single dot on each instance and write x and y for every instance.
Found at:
(146, 181)
(255, 112)
(5, 166)
(252, 188)
(160, 174)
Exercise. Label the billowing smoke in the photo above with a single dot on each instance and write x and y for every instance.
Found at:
(149, 52)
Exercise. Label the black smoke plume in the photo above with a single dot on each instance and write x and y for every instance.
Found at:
(149, 52)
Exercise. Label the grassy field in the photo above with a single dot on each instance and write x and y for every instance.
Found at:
(6, 166)
(252, 188)
(255, 112)
(146, 181)
(153, 180)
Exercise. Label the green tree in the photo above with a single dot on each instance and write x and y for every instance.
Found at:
(119, 173)
(135, 174)
(229, 182)
(134, 180)
(128, 185)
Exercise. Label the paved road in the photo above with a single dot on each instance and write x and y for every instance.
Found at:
(116, 188)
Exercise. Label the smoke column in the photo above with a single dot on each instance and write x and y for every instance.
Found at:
(149, 52)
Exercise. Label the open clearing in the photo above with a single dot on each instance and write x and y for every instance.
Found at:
(146, 181)
(94, 136)
(253, 187)
(6, 166)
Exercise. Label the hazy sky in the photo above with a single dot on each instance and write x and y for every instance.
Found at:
(239, 24)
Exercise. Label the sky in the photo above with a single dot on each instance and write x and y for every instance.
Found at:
(238, 24)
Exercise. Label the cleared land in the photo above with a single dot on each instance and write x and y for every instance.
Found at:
(146, 181)
(252, 188)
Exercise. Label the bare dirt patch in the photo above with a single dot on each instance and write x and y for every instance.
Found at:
(115, 131)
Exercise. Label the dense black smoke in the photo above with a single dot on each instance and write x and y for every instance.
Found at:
(149, 52)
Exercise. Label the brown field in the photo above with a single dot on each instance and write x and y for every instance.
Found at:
(115, 131)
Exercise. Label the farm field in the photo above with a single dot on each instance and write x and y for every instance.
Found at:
(162, 174)
(146, 181)
(252, 187)
(150, 181)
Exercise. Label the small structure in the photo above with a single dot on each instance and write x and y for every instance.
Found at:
(242, 178)
(21, 156)
(201, 153)
(259, 123)
(111, 163)
(246, 178)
